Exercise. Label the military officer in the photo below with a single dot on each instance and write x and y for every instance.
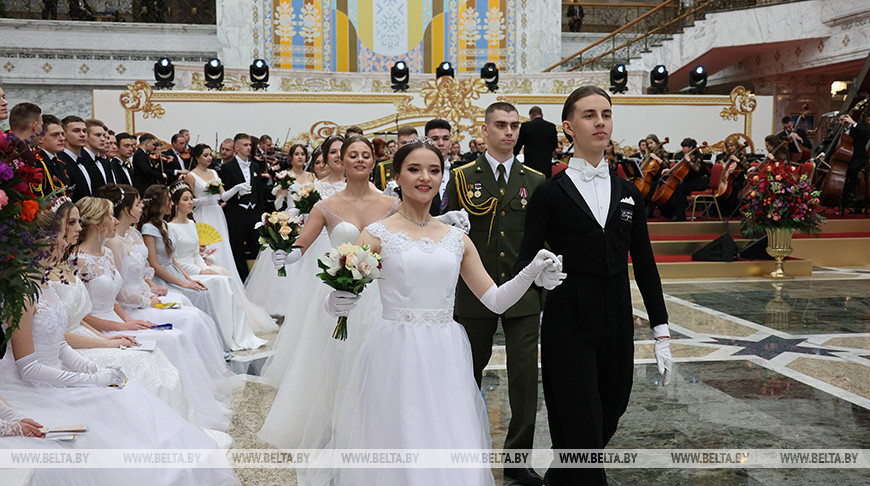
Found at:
(495, 190)
(383, 172)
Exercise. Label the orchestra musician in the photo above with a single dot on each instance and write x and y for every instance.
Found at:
(731, 156)
(860, 133)
(697, 179)
(798, 135)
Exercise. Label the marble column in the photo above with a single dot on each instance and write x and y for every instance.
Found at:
(539, 31)
(239, 32)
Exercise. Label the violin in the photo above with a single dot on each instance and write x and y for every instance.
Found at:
(649, 169)
(675, 177)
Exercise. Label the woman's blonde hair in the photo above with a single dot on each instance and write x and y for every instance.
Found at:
(93, 210)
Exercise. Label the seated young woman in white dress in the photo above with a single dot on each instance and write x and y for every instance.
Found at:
(412, 384)
(155, 234)
(227, 292)
(94, 264)
(60, 387)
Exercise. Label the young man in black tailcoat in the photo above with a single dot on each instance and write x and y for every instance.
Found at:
(594, 219)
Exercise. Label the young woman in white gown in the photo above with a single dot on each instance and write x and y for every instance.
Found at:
(95, 265)
(57, 385)
(207, 207)
(412, 384)
(264, 286)
(308, 363)
(185, 244)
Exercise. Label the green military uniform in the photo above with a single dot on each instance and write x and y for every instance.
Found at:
(497, 223)
(383, 174)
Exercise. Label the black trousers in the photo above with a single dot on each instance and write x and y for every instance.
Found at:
(243, 237)
(851, 183)
(677, 202)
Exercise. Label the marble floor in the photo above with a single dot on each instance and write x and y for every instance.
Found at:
(759, 364)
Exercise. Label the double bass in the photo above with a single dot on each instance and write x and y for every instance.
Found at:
(832, 185)
(649, 169)
(674, 178)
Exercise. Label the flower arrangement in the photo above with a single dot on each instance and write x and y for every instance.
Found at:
(305, 197)
(283, 180)
(20, 269)
(349, 268)
(278, 230)
(214, 187)
(781, 198)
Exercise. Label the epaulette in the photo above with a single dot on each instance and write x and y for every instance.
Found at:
(465, 166)
(533, 171)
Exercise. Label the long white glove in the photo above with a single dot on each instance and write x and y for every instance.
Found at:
(280, 258)
(340, 302)
(245, 189)
(665, 362)
(30, 369)
(456, 218)
(500, 299)
(552, 276)
(392, 189)
(231, 192)
(206, 198)
(74, 361)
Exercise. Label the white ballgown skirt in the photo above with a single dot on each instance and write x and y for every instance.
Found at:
(129, 418)
(265, 288)
(234, 315)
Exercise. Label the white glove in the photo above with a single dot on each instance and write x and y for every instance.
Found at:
(31, 370)
(500, 299)
(392, 189)
(281, 258)
(665, 362)
(552, 276)
(340, 302)
(206, 198)
(74, 361)
(245, 189)
(231, 192)
(456, 218)
(110, 376)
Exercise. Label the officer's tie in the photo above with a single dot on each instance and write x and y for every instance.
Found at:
(501, 179)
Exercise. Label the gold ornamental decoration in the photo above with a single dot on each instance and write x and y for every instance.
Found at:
(138, 98)
(232, 82)
(450, 99)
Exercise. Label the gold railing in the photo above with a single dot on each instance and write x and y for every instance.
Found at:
(603, 17)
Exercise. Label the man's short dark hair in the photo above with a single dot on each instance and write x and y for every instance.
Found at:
(265, 137)
(436, 123)
(111, 133)
(689, 142)
(406, 131)
(535, 111)
(93, 122)
(50, 120)
(124, 136)
(578, 94)
(70, 119)
(176, 137)
(500, 106)
(145, 137)
(786, 119)
(23, 114)
(241, 136)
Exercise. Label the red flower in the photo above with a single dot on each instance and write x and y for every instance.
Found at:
(31, 175)
(29, 208)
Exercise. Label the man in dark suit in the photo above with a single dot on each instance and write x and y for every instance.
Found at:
(245, 202)
(860, 133)
(594, 219)
(122, 165)
(494, 190)
(177, 167)
(540, 139)
(82, 176)
(91, 156)
(797, 137)
(50, 145)
(146, 173)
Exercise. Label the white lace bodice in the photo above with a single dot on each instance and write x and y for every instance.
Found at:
(199, 185)
(341, 231)
(329, 189)
(185, 245)
(50, 322)
(131, 260)
(418, 277)
(76, 301)
(101, 279)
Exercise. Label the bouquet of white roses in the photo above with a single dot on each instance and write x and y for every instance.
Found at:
(305, 197)
(214, 187)
(283, 181)
(349, 268)
(278, 230)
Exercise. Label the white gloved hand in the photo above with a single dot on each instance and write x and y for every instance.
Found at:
(458, 219)
(665, 362)
(110, 376)
(392, 189)
(231, 192)
(340, 302)
(281, 258)
(552, 276)
(544, 259)
(206, 198)
(245, 189)
(499, 299)
(74, 361)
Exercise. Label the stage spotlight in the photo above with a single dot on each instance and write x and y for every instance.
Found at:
(698, 80)
(444, 69)
(214, 74)
(618, 79)
(259, 72)
(164, 74)
(489, 74)
(658, 79)
(399, 76)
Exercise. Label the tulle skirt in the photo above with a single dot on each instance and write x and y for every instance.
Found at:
(412, 387)
(233, 317)
(128, 418)
(211, 213)
(265, 288)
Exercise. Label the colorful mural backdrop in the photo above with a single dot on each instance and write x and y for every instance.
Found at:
(371, 35)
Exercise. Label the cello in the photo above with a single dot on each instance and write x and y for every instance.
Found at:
(649, 169)
(674, 178)
(726, 185)
(832, 185)
(802, 153)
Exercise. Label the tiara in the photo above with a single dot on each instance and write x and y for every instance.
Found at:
(58, 203)
(178, 186)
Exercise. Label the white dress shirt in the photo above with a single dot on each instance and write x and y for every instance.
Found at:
(444, 179)
(245, 165)
(595, 192)
(75, 158)
(494, 164)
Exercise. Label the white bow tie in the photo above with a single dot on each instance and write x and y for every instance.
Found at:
(587, 172)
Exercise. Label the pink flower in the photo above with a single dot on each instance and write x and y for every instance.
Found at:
(4, 199)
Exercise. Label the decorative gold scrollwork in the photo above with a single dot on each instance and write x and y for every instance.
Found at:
(138, 98)
(742, 103)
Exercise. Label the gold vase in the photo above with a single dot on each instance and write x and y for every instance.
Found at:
(779, 247)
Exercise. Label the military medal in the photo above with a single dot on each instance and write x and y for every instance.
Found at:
(477, 192)
(524, 194)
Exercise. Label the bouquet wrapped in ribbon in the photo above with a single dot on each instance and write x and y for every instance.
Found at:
(305, 197)
(349, 268)
(278, 230)
(214, 187)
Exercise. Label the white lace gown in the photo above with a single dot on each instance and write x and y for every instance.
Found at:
(228, 293)
(268, 290)
(127, 418)
(309, 365)
(412, 386)
(208, 210)
(103, 283)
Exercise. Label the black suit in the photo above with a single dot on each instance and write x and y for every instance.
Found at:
(76, 172)
(145, 174)
(587, 347)
(90, 164)
(791, 146)
(243, 212)
(107, 168)
(540, 139)
(860, 134)
(175, 165)
(121, 174)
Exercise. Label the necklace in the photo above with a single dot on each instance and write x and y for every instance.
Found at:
(418, 223)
